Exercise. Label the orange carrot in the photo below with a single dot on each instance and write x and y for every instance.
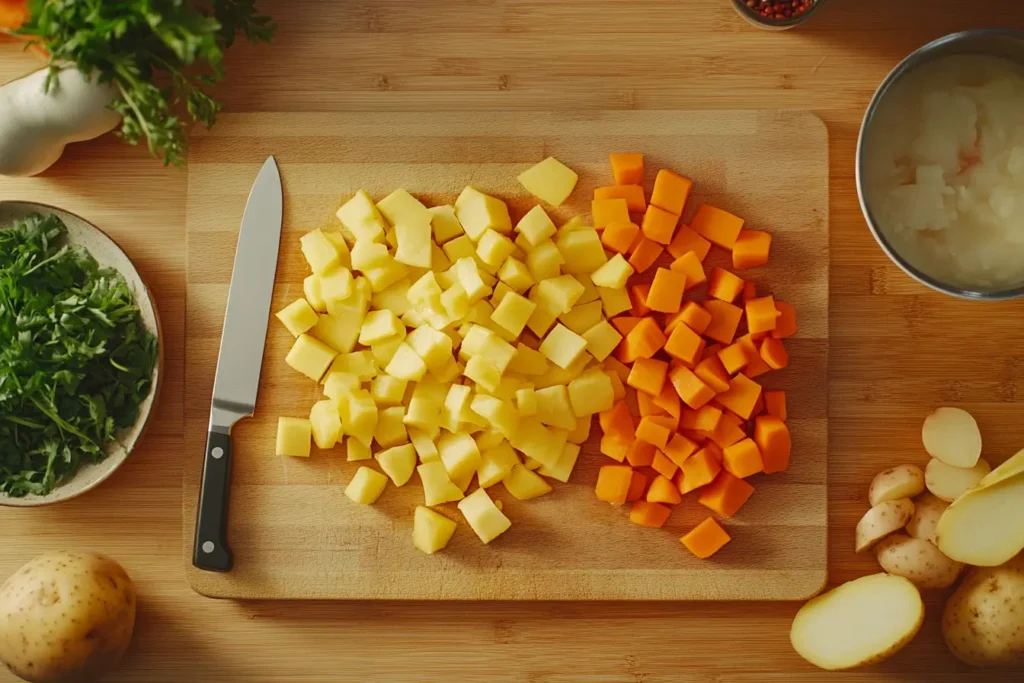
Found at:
(648, 405)
(741, 396)
(624, 324)
(628, 169)
(641, 452)
(728, 431)
(649, 514)
(751, 249)
(733, 358)
(671, 191)
(666, 295)
(652, 431)
(662, 490)
(659, 225)
(705, 539)
(695, 316)
(619, 237)
(617, 422)
(638, 297)
(605, 211)
(648, 375)
(706, 418)
(742, 459)
(684, 344)
(725, 318)
(688, 240)
(717, 226)
(613, 483)
(679, 448)
(643, 341)
(755, 364)
(758, 407)
(785, 323)
(761, 314)
(712, 372)
(663, 465)
(775, 404)
(633, 194)
(749, 290)
(668, 400)
(724, 285)
(774, 353)
(691, 266)
(700, 469)
(772, 437)
(637, 487)
(690, 387)
(614, 447)
(726, 494)
(645, 253)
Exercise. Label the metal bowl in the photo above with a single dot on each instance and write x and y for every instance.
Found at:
(773, 24)
(993, 42)
(107, 253)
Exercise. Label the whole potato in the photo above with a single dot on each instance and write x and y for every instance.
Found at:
(983, 623)
(66, 618)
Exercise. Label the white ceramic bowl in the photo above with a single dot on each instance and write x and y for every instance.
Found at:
(107, 253)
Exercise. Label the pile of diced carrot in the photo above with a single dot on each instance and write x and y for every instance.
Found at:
(692, 347)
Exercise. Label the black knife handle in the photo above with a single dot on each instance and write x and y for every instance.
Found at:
(211, 551)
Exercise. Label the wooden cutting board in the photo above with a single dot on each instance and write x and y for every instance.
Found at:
(295, 535)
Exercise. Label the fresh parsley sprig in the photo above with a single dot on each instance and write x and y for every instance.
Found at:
(162, 55)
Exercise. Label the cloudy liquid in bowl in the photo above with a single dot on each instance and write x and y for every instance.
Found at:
(944, 170)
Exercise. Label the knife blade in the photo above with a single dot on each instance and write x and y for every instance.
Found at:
(241, 358)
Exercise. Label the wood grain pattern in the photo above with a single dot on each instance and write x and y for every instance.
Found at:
(293, 532)
(896, 349)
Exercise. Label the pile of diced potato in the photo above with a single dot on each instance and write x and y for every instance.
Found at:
(451, 344)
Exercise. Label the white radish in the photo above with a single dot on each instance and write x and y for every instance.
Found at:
(36, 125)
(952, 436)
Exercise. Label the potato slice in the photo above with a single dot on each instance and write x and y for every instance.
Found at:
(1011, 468)
(858, 623)
(985, 526)
(918, 560)
(949, 483)
(927, 510)
(882, 520)
(952, 436)
(902, 481)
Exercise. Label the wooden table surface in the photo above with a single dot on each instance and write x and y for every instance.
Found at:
(897, 348)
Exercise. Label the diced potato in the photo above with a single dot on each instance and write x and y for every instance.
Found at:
(572, 225)
(550, 180)
(455, 403)
(293, 436)
(320, 252)
(478, 212)
(484, 517)
(310, 356)
(424, 409)
(386, 275)
(562, 346)
(395, 298)
(433, 347)
(614, 273)
(554, 407)
(615, 301)
(398, 463)
(387, 390)
(493, 248)
(512, 313)
(459, 248)
(361, 217)
(384, 351)
(528, 361)
(415, 247)
(355, 306)
(340, 384)
(424, 289)
(337, 238)
(556, 375)
(545, 261)
(357, 450)
(499, 413)
(536, 226)
(379, 326)
(455, 302)
(562, 469)
(366, 486)
(358, 363)
(449, 372)
(515, 274)
(468, 275)
(438, 259)
(543, 316)
(367, 255)
(460, 456)
(559, 294)
(582, 251)
(536, 441)
(359, 416)
(311, 290)
(591, 392)
(495, 463)
(425, 447)
(482, 371)
(406, 364)
(524, 484)
(431, 531)
(531, 464)
(326, 423)
(336, 284)
(340, 333)
(583, 317)
(390, 430)
(500, 290)
(618, 388)
(437, 486)
(298, 317)
(590, 292)
(402, 207)
(488, 439)
(526, 401)
(602, 339)
(446, 226)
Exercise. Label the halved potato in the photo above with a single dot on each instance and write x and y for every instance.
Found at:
(918, 560)
(902, 481)
(948, 482)
(882, 520)
(858, 623)
(927, 510)
(952, 436)
(985, 526)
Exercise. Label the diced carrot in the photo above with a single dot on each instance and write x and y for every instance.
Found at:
(688, 240)
(659, 225)
(641, 453)
(633, 194)
(695, 316)
(617, 422)
(741, 396)
(645, 253)
(728, 431)
(772, 436)
(669, 422)
(614, 447)
(699, 438)
(690, 387)
(725, 318)
(761, 314)
(613, 483)
(751, 249)
(717, 226)
(749, 289)
(637, 487)
(684, 344)
(648, 406)
(638, 297)
(624, 324)
(643, 341)
(605, 211)
(668, 400)
(733, 358)
(706, 418)
(711, 351)
(649, 514)
(671, 191)
(758, 407)
(628, 169)
(663, 465)
(742, 459)
(700, 469)
(785, 323)
(648, 375)
(619, 237)
(679, 448)
(662, 490)
(705, 539)
(726, 494)
(775, 404)
(773, 352)
(666, 295)
(713, 373)
(651, 430)
(691, 266)
(724, 285)
(755, 364)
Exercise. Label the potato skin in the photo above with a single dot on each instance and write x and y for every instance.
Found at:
(882, 520)
(66, 617)
(983, 622)
(918, 560)
(928, 508)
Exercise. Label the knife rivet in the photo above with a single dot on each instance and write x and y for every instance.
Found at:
(208, 547)
(217, 452)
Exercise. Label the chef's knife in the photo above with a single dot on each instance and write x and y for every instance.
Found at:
(240, 360)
